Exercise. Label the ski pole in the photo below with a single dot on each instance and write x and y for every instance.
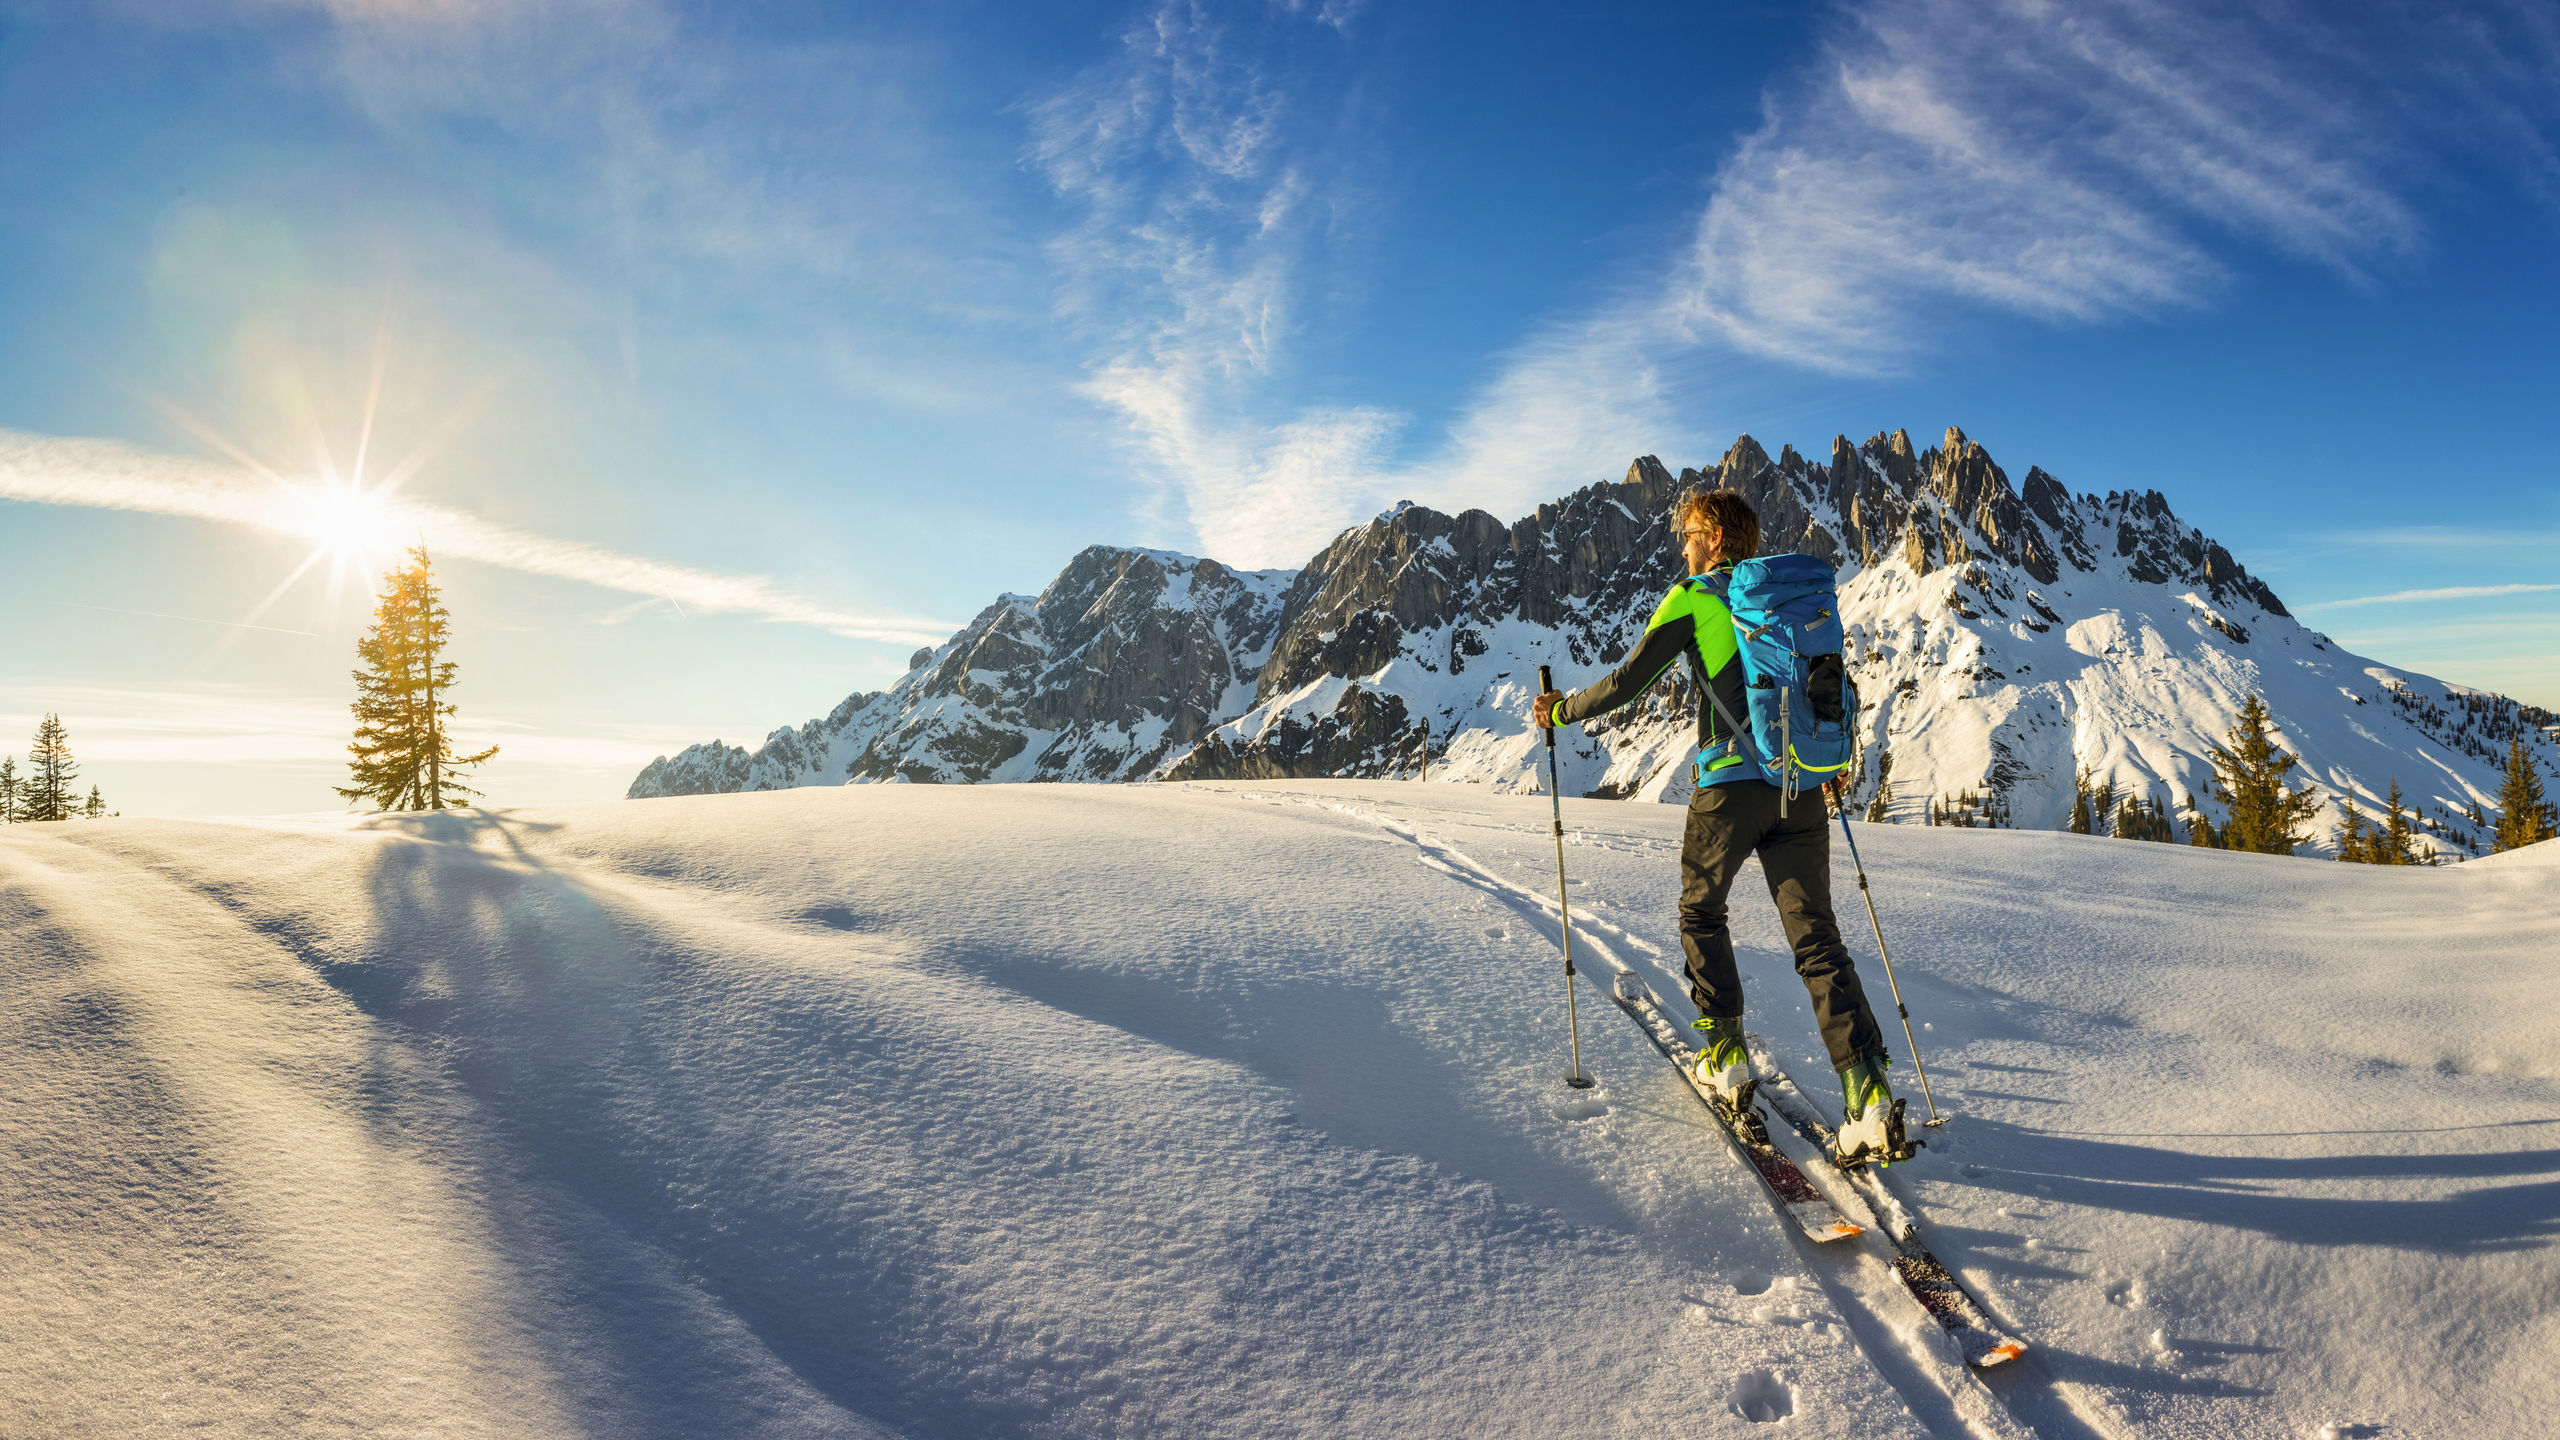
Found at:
(1564, 903)
(1935, 1119)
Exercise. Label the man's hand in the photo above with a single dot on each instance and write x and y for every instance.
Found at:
(1542, 709)
(1838, 790)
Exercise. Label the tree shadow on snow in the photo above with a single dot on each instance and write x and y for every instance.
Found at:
(656, 1254)
(2253, 1192)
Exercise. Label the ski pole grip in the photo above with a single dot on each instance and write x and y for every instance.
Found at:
(1546, 682)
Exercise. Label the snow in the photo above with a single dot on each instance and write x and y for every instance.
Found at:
(1229, 1110)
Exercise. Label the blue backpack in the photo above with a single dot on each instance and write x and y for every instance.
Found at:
(1804, 711)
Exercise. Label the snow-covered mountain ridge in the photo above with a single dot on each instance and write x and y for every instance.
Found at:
(2003, 638)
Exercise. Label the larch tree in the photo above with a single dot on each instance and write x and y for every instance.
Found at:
(46, 793)
(2524, 817)
(403, 751)
(2263, 814)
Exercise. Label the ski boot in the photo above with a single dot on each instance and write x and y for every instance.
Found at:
(1871, 1132)
(1723, 1066)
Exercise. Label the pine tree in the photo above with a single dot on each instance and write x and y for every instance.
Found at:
(2102, 808)
(2393, 845)
(2355, 847)
(404, 756)
(96, 809)
(46, 792)
(9, 787)
(1880, 809)
(2080, 817)
(2524, 817)
(2249, 781)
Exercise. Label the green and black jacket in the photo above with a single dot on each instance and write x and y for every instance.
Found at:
(1692, 621)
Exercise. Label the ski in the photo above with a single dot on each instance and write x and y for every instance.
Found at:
(1980, 1338)
(1787, 1185)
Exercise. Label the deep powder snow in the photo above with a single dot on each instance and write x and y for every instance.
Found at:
(1229, 1110)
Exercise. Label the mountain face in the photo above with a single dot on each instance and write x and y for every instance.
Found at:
(1125, 661)
(2005, 640)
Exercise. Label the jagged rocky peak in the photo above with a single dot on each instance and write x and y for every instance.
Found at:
(1421, 627)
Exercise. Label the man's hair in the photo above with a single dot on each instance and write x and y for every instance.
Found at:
(1728, 512)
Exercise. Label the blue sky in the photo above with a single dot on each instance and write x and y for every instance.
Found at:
(724, 358)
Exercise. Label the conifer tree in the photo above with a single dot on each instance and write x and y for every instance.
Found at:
(46, 793)
(1880, 809)
(2393, 846)
(2524, 817)
(2264, 813)
(96, 809)
(9, 786)
(2354, 845)
(2080, 817)
(404, 756)
(2199, 829)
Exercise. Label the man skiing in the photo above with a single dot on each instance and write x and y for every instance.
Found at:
(1734, 814)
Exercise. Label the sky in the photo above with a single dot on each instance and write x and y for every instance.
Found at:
(724, 355)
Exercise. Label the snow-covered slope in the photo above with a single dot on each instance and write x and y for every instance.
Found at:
(1227, 1109)
(2005, 640)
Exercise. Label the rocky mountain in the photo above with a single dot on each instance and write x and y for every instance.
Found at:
(2006, 640)
(1120, 666)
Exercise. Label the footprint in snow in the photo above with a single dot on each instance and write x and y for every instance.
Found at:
(1762, 1397)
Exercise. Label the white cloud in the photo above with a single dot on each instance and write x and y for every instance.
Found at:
(2073, 164)
(106, 475)
(1207, 193)
(2078, 165)
(2449, 592)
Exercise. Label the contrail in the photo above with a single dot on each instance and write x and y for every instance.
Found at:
(107, 475)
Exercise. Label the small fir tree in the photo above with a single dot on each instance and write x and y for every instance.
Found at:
(2395, 845)
(2524, 817)
(46, 793)
(403, 753)
(2199, 829)
(8, 789)
(2355, 846)
(1880, 808)
(2081, 819)
(2264, 814)
(96, 809)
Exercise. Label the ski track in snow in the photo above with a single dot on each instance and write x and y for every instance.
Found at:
(1227, 1110)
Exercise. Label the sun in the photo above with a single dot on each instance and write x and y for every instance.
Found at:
(344, 521)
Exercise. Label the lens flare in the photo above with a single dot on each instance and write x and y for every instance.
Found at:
(343, 521)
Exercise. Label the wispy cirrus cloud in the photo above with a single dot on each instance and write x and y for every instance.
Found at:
(2447, 592)
(1210, 186)
(104, 474)
(2073, 165)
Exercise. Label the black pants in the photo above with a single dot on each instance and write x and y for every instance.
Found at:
(1727, 825)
